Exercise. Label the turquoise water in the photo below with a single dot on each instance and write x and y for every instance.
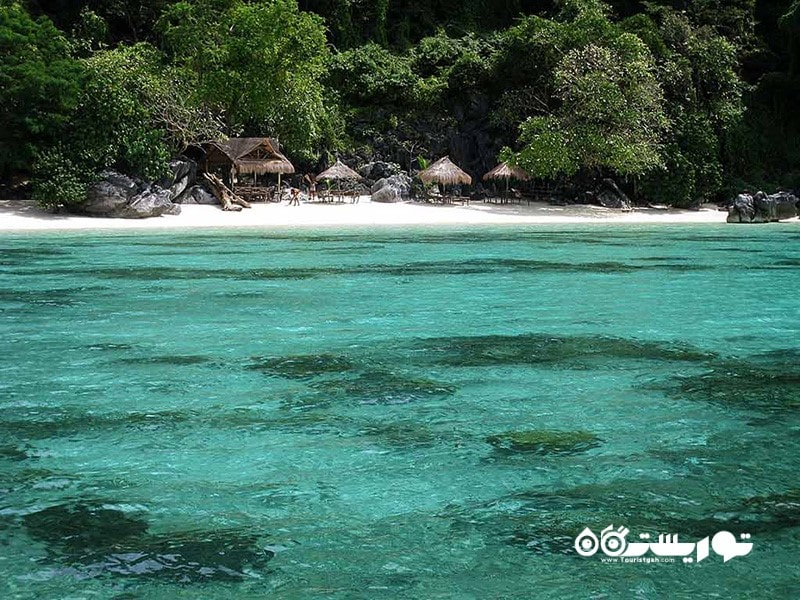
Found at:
(321, 414)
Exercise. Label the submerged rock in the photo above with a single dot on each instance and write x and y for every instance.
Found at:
(762, 208)
(303, 366)
(384, 387)
(83, 527)
(12, 452)
(572, 351)
(779, 510)
(768, 382)
(119, 196)
(95, 540)
(169, 360)
(543, 441)
(400, 435)
(548, 521)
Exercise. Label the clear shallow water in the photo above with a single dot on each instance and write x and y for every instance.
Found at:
(309, 414)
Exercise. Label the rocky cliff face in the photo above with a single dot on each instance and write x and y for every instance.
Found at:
(462, 132)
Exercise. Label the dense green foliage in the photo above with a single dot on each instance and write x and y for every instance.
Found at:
(609, 112)
(258, 64)
(680, 100)
(40, 85)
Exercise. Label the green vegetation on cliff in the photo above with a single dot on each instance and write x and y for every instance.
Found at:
(679, 100)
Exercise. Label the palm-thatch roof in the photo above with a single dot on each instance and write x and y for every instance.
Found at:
(248, 155)
(339, 171)
(506, 171)
(446, 172)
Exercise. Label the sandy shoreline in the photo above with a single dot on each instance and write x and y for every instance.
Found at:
(25, 216)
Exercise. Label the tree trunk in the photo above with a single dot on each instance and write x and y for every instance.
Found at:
(227, 198)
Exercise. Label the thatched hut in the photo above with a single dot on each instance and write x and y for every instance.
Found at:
(445, 172)
(243, 156)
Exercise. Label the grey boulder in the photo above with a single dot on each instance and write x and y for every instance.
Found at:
(386, 194)
(184, 176)
(120, 196)
(197, 194)
(762, 208)
(379, 170)
(392, 189)
(610, 196)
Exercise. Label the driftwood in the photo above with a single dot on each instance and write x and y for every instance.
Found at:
(227, 198)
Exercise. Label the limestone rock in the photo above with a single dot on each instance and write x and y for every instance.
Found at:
(197, 194)
(379, 170)
(184, 176)
(545, 441)
(610, 196)
(762, 208)
(392, 189)
(119, 196)
(386, 194)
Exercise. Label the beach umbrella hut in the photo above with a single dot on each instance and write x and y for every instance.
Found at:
(507, 172)
(446, 172)
(338, 172)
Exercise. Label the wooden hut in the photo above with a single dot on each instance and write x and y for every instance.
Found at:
(255, 156)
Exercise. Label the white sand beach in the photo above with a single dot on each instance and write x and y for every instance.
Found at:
(18, 215)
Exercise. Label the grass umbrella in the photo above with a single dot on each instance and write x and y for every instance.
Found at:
(507, 172)
(338, 172)
(446, 172)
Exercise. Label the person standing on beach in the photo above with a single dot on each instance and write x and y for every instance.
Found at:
(295, 198)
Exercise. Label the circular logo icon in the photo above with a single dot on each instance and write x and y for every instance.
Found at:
(586, 544)
(613, 543)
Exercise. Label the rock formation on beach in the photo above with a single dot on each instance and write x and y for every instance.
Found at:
(183, 183)
(119, 196)
(392, 189)
(761, 208)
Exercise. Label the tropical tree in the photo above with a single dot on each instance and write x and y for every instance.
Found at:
(610, 113)
(697, 69)
(259, 64)
(40, 85)
(136, 111)
(133, 114)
